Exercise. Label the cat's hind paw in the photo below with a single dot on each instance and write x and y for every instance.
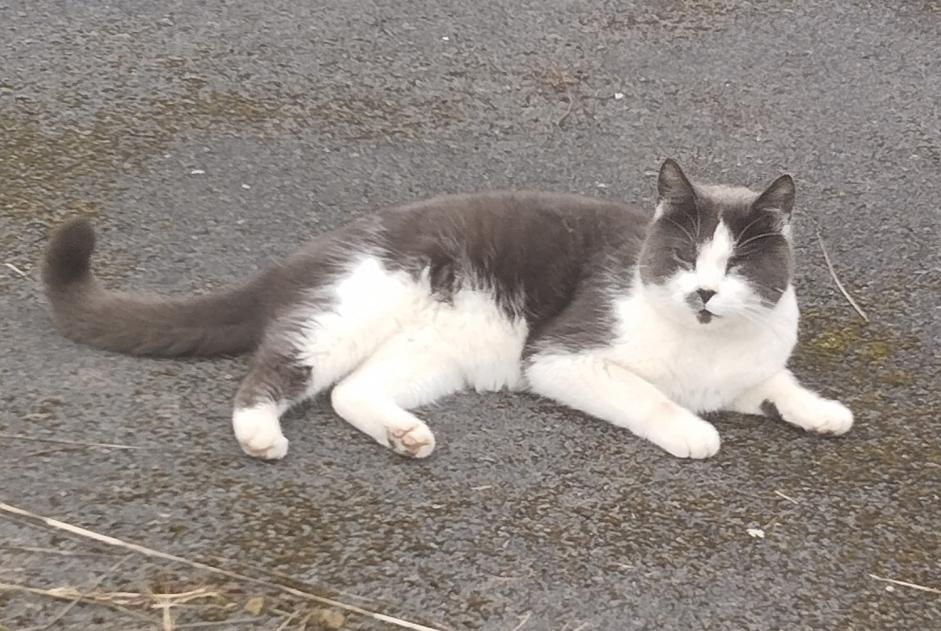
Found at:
(415, 440)
(684, 435)
(259, 433)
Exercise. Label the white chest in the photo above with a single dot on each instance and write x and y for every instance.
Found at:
(703, 369)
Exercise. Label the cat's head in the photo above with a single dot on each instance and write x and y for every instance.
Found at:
(716, 255)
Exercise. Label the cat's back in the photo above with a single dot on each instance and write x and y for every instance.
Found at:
(522, 243)
(530, 222)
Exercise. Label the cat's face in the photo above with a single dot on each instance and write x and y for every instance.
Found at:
(714, 255)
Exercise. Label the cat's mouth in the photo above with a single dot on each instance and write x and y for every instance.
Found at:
(705, 316)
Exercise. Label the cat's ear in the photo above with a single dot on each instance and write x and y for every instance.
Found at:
(778, 197)
(673, 185)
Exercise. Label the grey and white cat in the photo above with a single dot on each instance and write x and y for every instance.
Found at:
(643, 322)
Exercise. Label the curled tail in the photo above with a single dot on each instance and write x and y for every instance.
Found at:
(228, 321)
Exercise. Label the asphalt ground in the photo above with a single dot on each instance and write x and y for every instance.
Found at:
(208, 139)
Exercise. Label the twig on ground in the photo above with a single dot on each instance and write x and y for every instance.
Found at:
(931, 590)
(302, 625)
(197, 625)
(287, 621)
(62, 441)
(69, 594)
(18, 271)
(150, 552)
(84, 595)
(45, 452)
(290, 579)
(789, 499)
(839, 285)
(167, 617)
(568, 92)
(523, 620)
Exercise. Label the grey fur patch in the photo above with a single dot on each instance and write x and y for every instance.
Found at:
(536, 251)
(770, 410)
(273, 377)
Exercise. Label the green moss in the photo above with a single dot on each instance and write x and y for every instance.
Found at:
(834, 341)
(827, 338)
(875, 351)
(899, 377)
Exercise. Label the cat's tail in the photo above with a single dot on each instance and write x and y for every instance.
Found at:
(228, 321)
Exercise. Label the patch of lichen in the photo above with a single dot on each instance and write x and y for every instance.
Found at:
(826, 338)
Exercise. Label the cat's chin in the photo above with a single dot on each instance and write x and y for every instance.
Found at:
(705, 316)
(701, 320)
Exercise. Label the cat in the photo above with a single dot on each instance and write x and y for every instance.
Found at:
(641, 321)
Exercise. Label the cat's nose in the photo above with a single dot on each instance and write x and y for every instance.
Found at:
(705, 294)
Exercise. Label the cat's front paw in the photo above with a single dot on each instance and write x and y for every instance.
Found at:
(414, 440)
(683, 434)
(824, 416)
(259, 433)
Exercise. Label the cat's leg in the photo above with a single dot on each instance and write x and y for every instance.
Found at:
(411, 369)
(782, 397)
(317, 344)
(282, 375)
(289, 368)
(596, 386)
(275, 382)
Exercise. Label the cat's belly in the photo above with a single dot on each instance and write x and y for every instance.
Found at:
(372, 314)
(473, 335)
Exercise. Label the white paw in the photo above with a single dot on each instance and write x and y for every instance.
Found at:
(414, 440)
(824, 416)
(683, 434)
(259, 433)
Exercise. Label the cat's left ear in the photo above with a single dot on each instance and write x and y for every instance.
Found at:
(778, 197)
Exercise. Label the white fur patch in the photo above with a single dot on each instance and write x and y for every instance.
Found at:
(797, 405)
(589, 382)
(713, 258)
(345, 323)
(701, 367)
(259, 433)
(392, 345)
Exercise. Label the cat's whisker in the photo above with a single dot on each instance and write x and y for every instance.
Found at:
(760, 236)
(759, 315)
(745, 230)
(758, 320)
(776, 290)
(685, 231)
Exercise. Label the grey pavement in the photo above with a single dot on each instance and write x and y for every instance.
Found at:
(208, 139)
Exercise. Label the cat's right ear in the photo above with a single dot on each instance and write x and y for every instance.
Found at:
(673, 186)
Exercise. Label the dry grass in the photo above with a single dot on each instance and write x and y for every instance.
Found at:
(262, 599)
